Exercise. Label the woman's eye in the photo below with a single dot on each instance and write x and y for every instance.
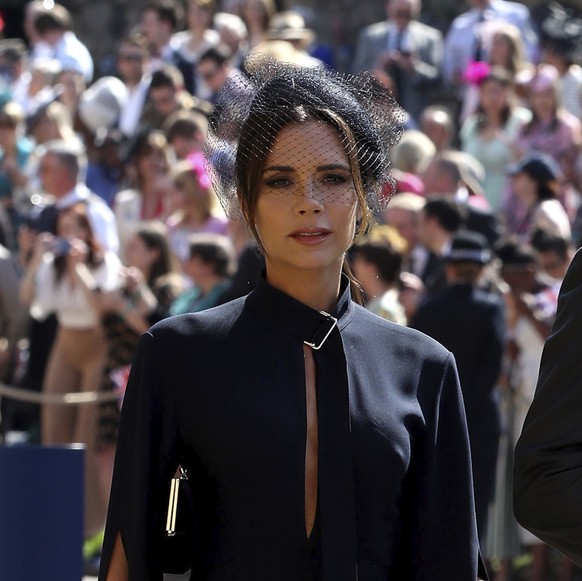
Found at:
(278, 182)
(335, 179)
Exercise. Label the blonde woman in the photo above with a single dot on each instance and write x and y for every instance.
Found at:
(198, 209)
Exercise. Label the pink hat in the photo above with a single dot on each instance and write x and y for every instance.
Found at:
(407, 182)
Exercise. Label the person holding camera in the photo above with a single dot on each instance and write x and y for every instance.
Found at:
(51, 285)
(409, 51)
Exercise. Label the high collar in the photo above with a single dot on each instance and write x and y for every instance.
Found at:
(278, 308)
(335, 470)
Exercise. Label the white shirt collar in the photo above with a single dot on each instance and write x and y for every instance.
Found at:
(79, 193)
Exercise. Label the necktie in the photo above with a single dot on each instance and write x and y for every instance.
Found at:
(395, 71)
(478, 51)
(399, 37)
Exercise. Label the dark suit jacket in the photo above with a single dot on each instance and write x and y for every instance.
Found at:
(433, 276)
(471, 324)
(425, 42)
(548, 457)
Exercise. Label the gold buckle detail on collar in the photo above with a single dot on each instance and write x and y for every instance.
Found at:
(328, 319)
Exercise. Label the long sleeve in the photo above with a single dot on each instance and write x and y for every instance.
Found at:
(146, 459)
(45, 299)
(548, 456)
(493, 345)
(13, 314)
(428, 68)
(443, 491)
(372, 41)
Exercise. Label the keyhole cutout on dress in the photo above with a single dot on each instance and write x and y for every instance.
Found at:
(311, 448)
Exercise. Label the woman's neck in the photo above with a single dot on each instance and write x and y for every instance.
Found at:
(547, 118)
(150, 201)
(530, 200)
(196, 38)
(493, 119)
(312, 287)
(194, 216)
(206, 284)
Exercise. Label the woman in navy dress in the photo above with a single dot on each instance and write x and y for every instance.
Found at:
(321, 442)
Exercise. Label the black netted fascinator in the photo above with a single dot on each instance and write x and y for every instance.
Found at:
(253, 109)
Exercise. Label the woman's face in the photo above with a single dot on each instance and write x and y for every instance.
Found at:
(193, 196)
(366, 272)
(525, 189)
(493, 97)
(500, 53)
(152, 164)
(70, 226)
(543, 102)
(306, 206)
(198, 17)
(45, 129)
(254, 12)
(7, 134)
(139, 255)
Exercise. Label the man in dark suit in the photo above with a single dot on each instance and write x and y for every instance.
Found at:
(409, 51)
(547, 488)
(471, 324)
(440, 218)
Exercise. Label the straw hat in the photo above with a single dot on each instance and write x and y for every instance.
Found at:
(289, 25)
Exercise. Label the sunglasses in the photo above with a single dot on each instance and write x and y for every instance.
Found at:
(132, 57)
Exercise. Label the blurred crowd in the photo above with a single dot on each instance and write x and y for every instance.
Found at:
(109, 223)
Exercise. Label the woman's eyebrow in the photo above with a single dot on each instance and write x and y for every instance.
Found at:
(283, 168)
(333, 166)
(325, 167)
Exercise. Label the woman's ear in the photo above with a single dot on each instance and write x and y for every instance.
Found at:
(359, 221)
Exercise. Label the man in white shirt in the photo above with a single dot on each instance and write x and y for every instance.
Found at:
(61, 168)
(158, 22)
(561, 48)
(464, 41)
(133, 68)
(57, 41)
(409, 51)
(14, 71)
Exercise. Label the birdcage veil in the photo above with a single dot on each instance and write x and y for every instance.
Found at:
(252, 109)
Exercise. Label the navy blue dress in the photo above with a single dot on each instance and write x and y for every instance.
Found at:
(223, 392)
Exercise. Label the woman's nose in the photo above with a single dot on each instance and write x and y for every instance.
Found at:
(308, 198)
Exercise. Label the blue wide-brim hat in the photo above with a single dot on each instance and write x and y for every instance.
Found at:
(539, 166)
